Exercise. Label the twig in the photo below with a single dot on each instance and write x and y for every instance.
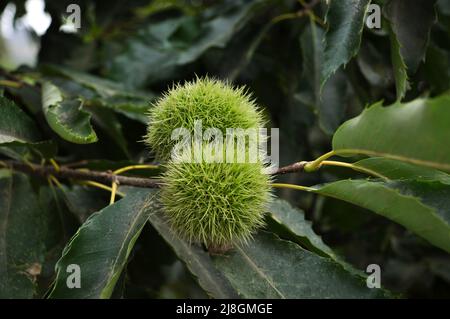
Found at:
(293, 168)
(82, 175)
(109, 177)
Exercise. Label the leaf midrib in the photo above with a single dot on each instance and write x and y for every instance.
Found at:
(113, 270)
(260, 272)
(436, 165)
(431, 210)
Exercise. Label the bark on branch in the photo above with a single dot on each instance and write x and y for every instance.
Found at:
(107, 177)
(82, 175)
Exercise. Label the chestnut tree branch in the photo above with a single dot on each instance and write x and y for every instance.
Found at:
(82, 175)
(107, 177)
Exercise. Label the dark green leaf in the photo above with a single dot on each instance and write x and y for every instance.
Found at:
(197, 261)
(416, 132)
(393, 169)
(16, 125)
(294, 220)
(108, 121)
(272, 268)
(158, 49)
(375, 65)
(26, 151)
(267, 268)
(83, 201)
(60, 226)
(66, 116)
(131, 103)
(437, 69)
(101, 248)
(345, 20)
(22, 235)
(329, 102)
(421, 207)
(411, 23)
(400, 71)
(19, 135)
(444, 6)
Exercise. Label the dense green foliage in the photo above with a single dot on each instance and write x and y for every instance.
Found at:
(375, 101)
